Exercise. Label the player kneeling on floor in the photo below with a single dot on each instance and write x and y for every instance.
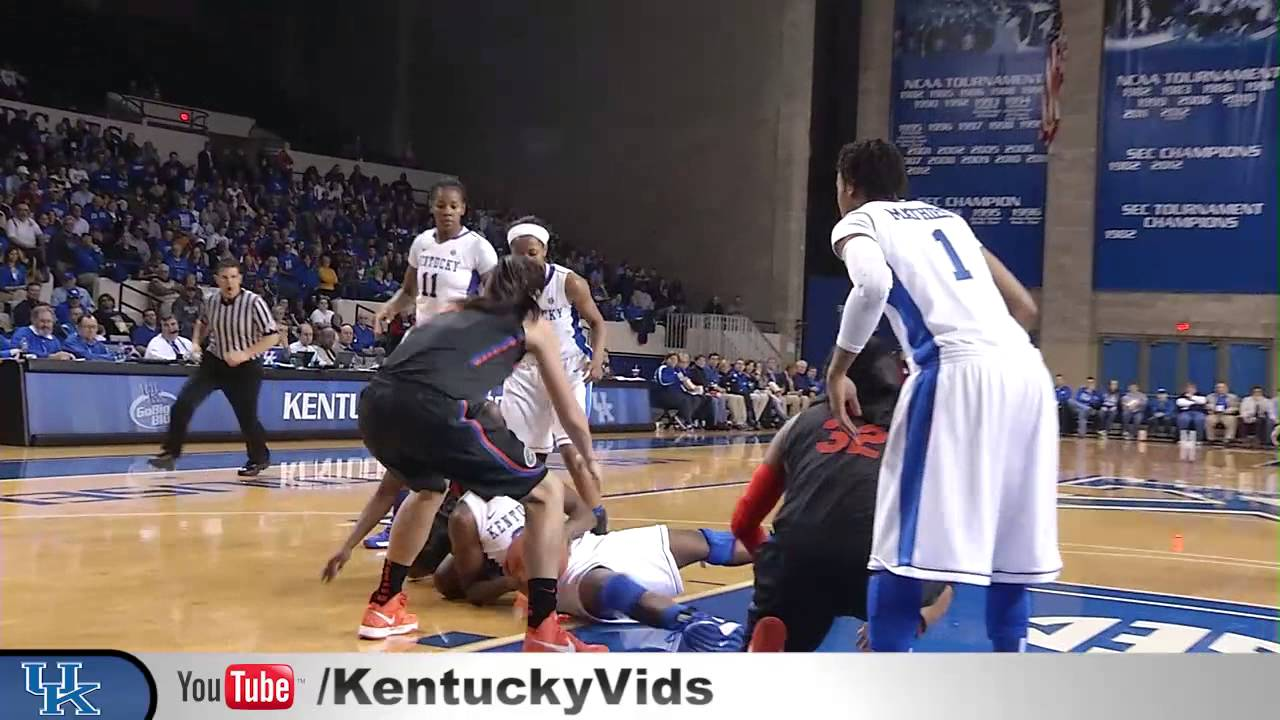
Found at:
(813, 569)
(625, 575)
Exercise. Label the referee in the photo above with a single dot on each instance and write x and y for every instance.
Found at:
(239, 327)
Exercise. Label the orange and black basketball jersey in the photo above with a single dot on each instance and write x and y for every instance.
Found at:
(461, 354)
(830, 493)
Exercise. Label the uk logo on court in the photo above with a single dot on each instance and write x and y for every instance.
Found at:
(61, 689)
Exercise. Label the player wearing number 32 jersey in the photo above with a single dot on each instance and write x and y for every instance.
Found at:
(967, 489)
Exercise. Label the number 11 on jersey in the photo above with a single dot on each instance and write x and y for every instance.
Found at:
(430, 291)
(962, 273)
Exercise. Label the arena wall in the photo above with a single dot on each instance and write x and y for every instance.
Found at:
(667, 133)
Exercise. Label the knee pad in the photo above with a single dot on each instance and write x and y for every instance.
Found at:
(720, 544)
(620, 594)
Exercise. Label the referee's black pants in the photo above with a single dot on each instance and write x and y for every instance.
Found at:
(240, 384)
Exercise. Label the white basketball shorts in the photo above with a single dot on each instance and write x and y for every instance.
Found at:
(526, 405)
(643, 554)
(968, 486)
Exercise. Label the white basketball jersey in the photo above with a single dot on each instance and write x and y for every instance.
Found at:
(448, 271)
(943, 295)
(497, 521)
(559, 311)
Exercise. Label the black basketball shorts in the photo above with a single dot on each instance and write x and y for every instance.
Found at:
(426, 437)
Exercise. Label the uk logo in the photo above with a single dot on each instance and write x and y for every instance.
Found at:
(66, 689)
(601, 409)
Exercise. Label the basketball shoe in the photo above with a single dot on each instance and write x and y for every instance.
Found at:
(380, 540)
(390, 618)
(550, 637)
(707, 633)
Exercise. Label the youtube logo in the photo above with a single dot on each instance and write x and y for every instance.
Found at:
(249, 686)
(259, 687)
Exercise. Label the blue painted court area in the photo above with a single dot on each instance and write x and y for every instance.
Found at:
(79, 466)
(1065, 618)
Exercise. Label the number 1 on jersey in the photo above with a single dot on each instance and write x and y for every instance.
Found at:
(962, 273)
(431, 292)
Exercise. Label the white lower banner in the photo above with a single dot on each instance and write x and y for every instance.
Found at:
(473, 686)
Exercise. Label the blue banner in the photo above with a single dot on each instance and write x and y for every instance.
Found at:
(105, 684)
(1187, 170)
(968, 96)
(140, 404)
(614, 404)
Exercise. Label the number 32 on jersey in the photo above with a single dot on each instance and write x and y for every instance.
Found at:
(868, 442)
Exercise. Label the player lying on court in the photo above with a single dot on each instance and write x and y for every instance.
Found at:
(526, 406)
(813, 569)
(627, 574)
(968, 488)
(424, 416)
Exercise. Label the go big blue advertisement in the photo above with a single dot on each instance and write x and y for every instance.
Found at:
(969, 106)
(1187, 172)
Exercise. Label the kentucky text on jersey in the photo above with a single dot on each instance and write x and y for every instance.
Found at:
(499, 524)
(432, 262)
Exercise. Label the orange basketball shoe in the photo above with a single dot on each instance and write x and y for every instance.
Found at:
(391, 618)
(550, 637)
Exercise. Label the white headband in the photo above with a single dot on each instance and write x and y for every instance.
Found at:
(530, 229)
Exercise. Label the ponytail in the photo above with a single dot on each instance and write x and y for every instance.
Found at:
(513, 288)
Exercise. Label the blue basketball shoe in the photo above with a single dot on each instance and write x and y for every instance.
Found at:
(707, 633)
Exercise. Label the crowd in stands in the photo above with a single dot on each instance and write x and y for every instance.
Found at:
(78, 205)
(714, 392)
(1221, 417)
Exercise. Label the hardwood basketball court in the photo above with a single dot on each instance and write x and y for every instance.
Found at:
(98, 550)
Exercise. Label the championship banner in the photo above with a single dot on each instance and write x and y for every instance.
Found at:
(1187, 172)
(974, 101)
(116, 686)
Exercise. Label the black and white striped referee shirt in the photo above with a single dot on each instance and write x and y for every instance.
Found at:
(238, 323)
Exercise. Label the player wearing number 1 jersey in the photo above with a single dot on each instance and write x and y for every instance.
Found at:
(967, 488)
(446, 264)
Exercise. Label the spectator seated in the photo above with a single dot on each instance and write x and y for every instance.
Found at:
(169, 344)
(1191, 413)
(1257, 417)
(1222, 414)
(1161, 412)
(86, 344)
(38, 339)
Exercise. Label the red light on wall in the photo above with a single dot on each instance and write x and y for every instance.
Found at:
(1182, 326)
(184, 116)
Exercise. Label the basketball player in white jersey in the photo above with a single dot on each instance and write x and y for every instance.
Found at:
(625, 575)
(447, 263)
(526, 407)
(968, 486)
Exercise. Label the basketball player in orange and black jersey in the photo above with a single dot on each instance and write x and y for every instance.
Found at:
(813, 568)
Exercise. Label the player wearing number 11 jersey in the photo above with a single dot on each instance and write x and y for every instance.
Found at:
(967, 489)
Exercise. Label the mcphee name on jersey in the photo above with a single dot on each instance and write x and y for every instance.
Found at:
(615, 687)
